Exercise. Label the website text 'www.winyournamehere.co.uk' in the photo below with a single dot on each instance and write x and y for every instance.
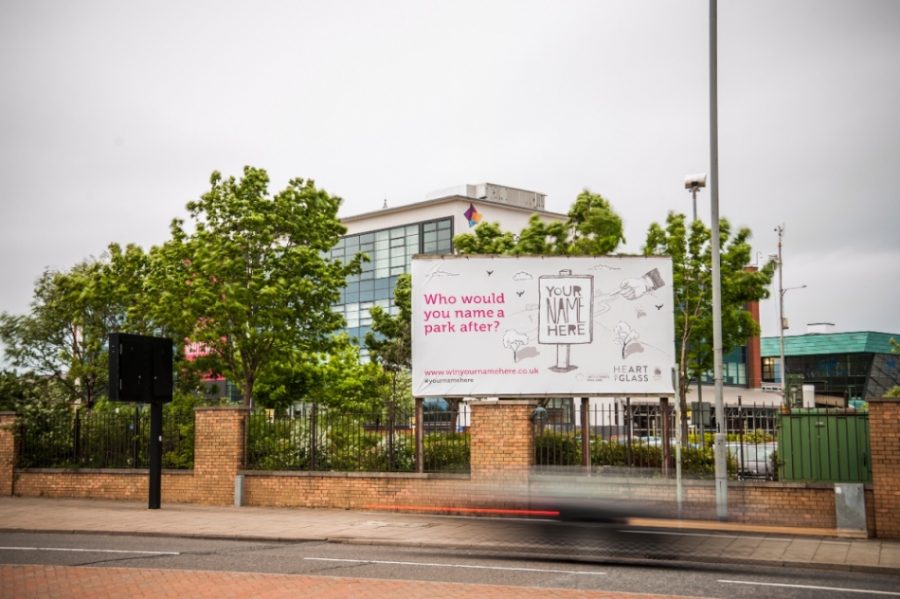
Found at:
(464, 375)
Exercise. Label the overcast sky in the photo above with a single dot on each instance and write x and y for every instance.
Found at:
(114, 114)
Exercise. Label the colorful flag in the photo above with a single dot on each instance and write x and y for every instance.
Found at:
(472, 215)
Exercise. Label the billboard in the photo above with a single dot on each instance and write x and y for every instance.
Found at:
(507, 326)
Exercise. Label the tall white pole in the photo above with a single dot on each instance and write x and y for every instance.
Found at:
(719, 438)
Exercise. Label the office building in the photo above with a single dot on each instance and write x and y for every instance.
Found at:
(391, 236)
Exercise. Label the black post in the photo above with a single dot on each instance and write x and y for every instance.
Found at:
(76, 442)
(666, 450)
(586, 434)
(420, 435)
(313, 435)
(391, 416)
(155, 455)
(136, 437)
(628, 430)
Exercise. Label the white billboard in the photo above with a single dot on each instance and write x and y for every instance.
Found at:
(506, 326)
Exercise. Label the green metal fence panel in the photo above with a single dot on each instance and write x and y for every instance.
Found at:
(824, 446)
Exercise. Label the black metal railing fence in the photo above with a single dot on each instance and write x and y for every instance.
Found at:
(632, 435)
(318, 438)
(102, 439)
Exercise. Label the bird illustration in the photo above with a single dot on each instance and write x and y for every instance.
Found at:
(659, 306)
(520, 293)
(489, 272)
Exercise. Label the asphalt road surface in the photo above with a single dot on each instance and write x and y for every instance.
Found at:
(511, 575)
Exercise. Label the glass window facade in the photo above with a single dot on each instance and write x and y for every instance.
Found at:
(833, 374)
(390, 253)
(734, 369)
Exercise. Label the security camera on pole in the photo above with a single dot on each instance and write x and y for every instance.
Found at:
(694, 183)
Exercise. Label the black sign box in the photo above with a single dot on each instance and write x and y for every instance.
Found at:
(140, 368)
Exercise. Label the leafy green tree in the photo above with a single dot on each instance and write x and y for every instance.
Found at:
(596, 228)
(24, 392)
(691, 252)
(592, 228)
(390, 341)
(251, 282)
(64, 335)
(488, 238)
(336, 378)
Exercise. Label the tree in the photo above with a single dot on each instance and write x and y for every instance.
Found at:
(691, 253)
(592, 228)
(64, 335)
(251, 282)
(390, 340)
(337, 379)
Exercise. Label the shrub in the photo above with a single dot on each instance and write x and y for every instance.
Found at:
(447, 452)
(557, 449)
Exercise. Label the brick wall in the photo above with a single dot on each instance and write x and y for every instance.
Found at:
(219, 440)
(7, 452)
(884, 433)
(177, 485)
(502, 451)
(502, 439)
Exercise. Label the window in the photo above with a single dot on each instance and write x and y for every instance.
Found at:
(768, 369)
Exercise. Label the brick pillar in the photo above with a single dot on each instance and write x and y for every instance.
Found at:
(7, 452)
(219, 438)
(884, 434)
(502, 440)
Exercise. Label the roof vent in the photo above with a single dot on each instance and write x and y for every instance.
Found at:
(819, 328)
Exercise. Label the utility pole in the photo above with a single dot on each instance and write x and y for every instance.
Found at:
(780, 230)
(782, 324)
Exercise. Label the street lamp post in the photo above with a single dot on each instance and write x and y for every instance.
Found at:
(719, 438)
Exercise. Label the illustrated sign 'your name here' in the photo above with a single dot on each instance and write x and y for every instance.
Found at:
(566, 310)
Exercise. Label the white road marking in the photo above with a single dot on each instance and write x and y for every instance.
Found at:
(81, 550)
(812, 587)
(438, 565)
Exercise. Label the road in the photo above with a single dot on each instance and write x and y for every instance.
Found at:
(325, 564)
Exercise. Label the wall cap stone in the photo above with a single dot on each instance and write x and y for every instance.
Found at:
(222, 409)
(383, 475)
(599, 481)
(884, 400)
(92, 471)
(503, 402)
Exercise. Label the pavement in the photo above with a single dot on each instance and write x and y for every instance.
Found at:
(697, 541)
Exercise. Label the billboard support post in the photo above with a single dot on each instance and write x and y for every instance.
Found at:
(586, 433)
